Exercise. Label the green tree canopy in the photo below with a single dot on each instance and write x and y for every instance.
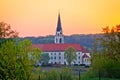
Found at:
(111, 42)
(15, 60)
(6, 33)
(45, 58)
(70, 54)
(108, 59)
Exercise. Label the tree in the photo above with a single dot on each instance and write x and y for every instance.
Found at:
(17, 60)
(108, 59)
(6, 32)
(70, 54)
(45, 58)
(111, 42)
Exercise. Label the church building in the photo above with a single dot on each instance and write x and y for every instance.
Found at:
(56, 50)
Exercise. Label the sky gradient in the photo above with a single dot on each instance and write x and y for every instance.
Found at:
(39, 17)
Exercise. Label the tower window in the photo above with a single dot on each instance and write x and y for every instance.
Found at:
(60, 40)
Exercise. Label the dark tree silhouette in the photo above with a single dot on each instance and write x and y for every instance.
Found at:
(6, 31)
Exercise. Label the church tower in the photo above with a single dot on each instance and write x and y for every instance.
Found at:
(59, 38)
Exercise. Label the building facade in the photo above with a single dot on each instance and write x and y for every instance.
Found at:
(57, 49)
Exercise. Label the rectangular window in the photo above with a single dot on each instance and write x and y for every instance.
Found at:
(59, 57)
(51, 53)
(59, 53)
(78, 57)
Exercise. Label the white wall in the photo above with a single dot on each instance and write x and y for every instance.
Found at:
(58, 57)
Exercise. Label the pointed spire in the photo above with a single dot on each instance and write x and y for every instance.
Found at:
(59, 27)
(59, 38)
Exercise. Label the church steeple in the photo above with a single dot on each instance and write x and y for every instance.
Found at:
(59, 35)
(59, 27)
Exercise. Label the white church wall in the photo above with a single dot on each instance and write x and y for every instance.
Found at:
(59, 58)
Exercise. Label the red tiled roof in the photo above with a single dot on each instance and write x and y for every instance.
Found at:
(58, 47)
(85, 56)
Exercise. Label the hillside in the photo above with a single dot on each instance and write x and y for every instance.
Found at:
(82, 39)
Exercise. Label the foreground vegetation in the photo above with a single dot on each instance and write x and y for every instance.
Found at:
(16, 57)
(106, 63)
(65, 73)
(17, 60)
(61, 74)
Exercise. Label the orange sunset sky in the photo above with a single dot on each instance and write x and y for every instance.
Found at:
(39, 17)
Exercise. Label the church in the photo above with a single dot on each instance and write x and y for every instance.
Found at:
(56, 50)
